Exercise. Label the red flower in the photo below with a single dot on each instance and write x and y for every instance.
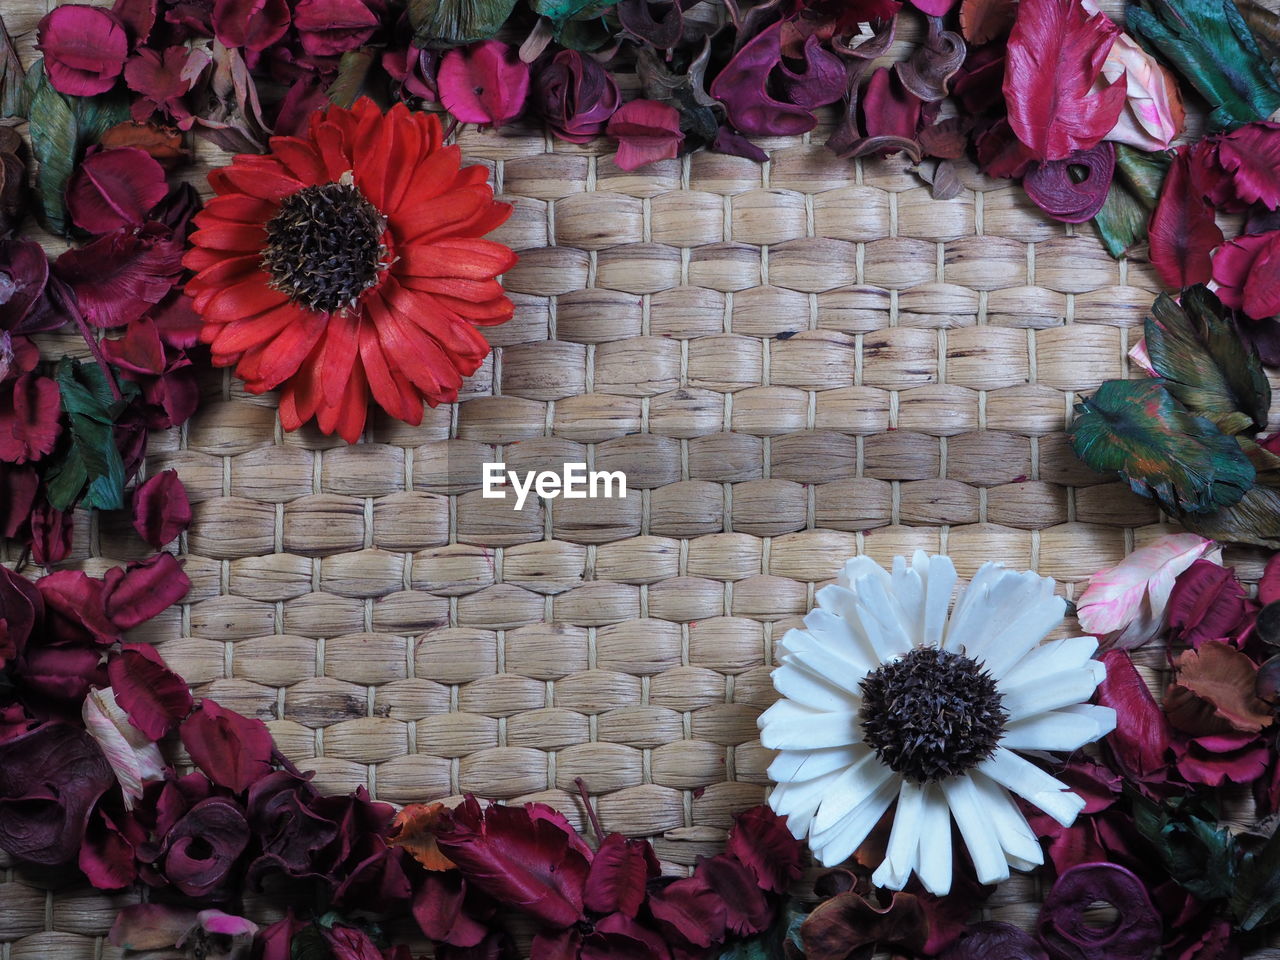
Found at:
(348, 265)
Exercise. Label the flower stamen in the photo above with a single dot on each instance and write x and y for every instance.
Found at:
(931, 714)
(324, 247)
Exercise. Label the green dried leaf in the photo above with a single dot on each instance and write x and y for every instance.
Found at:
(353, 76)
(770, 945)
(1255, 901)
(1199, 854)
(309, 943)
(562, 10)
(450, 23)
(1255, 520)
(1263, 19)
(91, 463)
(1210, 44)
(1205, 363)
(1137, 429)
(1122, 221)
(13, 100)
(61, 129)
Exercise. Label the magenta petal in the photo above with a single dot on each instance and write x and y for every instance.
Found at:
(646, 131)
(1262, 285)
(742, 86)
(1140, 740)
(576, 96)
(1232, 263)
(934, 8)
(328, 28)
(252, 24)
(84, 49)
(890, 109)
(487, 83)
(115, 188)
(822, 81)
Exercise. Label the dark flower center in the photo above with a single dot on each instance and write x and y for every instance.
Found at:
(324, 248)
(931, 715)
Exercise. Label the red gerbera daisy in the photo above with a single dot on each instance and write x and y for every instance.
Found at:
(348, 265)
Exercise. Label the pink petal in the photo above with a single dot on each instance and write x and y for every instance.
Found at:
(486, 83)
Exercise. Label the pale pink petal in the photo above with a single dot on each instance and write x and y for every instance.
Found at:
(133, 758)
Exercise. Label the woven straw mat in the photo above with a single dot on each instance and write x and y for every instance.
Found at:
(792, 363)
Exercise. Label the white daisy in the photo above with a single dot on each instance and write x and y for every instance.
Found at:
(885, 697)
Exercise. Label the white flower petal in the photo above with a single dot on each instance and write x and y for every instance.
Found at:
(1016, 837)
(904, 839)
(934, 856)
(941, 583)
(1013, 638)
(1067, 729)
(791, 766)
(850, 789)
(789, 726)
(831, 636)
(973, 819)
(1051, 657)
(1033, 785)
(969, 622)
(1053, 691)
(841, 604)
(836, 845)
(807, 688)
(882, 619)
(859, 568)
(799, 801)
(829, 665)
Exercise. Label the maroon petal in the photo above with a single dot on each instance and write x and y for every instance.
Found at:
(1053, 189)
(619, 872)
(115, 188)
(233, 751)
(30, 418)
(1068, 934)
(51, 534)
(690, 911)
(890, 109)
(761, 842)
(1140, 741)
(203, 847)
(161, 509)
(84, 49)
(120, 276)
(20, 610)
(155, 698)
(646, 131)
(76, 610)
(1207, 603)
(742, 86)
(107, 856)
(23, 276)
(141, 591)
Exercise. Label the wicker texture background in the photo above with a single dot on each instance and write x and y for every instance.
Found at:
(791, 363)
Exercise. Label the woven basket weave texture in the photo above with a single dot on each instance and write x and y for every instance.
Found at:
(792, 363)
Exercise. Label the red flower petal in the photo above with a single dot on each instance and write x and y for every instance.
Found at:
(161, 509)
(155, 698)
(142, 590)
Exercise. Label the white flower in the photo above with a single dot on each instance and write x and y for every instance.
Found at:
(886, 697)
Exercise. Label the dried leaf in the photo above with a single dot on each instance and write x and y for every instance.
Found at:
(1055, 58)
(1205, 363)
(415, 828)
(982, 21)
(930, 69)
(1214, 692)
(13, 102)
(1123, 219)
(91, 463)
(451, 23)
(353, 76)
(1210, 44)
(1137, 429)
(1254, 519)
(1182, 229)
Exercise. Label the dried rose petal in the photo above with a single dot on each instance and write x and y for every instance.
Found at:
(112, 189)
(155, 698)
(161, 509)
(486, 83)
(646, 131)
(202, 847)
(991, 940)
(141, 591)
(120, 276)
(328, 28)
(162, 78)
(576, 96)
(84, 49)
(252, 24)
(233, 751)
